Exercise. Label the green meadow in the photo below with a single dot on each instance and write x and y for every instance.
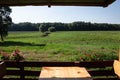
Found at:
(64, 46)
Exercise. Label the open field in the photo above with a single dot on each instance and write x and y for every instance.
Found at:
(64, 46)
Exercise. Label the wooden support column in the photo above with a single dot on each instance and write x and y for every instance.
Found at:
(22, 74)
(119, 55)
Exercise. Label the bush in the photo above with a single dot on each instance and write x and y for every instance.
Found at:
(51, 29)
(45, 34)
(16, 55)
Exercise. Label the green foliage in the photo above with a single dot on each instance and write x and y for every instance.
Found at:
(59, 46)
(4, 58)
(5, 21)
(45, 34)
(42, 28)
(16, 55)
(26, 26)
(74, 26)
(51, 29)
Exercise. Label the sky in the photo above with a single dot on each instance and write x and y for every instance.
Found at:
(67, 14)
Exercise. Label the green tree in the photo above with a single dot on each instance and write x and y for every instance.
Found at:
(42, 28)
(51, 29)
(5, 21)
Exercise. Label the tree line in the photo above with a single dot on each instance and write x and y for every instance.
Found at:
(75, 26)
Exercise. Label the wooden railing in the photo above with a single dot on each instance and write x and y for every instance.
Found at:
(99, 70)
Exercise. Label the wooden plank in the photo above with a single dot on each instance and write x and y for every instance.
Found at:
(61, 73)
(31, 73)
(103, 3)
(22, 75)
(12, 64)
(105, 79)
(93, 64)
(13, 72)
(119, 55)
(117, 67)
(102, 73)
(2, 69)
(18, 79)
(11, 79)
(96, 64)
(64, 79)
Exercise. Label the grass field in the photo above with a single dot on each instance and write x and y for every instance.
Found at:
(64, 46)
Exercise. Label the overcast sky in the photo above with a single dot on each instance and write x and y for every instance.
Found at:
(67, 14)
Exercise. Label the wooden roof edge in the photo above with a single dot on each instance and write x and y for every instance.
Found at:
(108, 2)
(49, 3)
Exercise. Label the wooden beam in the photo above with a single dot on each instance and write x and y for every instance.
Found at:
(49, 3)
(103, 3)
(108, 2)
(94, 64)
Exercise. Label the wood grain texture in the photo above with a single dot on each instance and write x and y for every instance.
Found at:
(64, 73)
(117, 67)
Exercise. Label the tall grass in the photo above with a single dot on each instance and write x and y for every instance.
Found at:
(65, 46)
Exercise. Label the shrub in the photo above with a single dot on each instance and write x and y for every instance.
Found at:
(51, 29)
(16, 55)
(4, 56)
(45, 34)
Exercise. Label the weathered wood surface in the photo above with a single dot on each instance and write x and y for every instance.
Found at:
(117, 67)
(64, 72)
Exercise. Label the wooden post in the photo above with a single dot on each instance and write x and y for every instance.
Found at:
(22, 76)
(119, 55)
(49, 3)
(2, 70)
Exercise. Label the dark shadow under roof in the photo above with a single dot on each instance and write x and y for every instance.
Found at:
(103, 3)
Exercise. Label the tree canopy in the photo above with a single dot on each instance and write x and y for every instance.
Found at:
(74, 26)
(5, 21)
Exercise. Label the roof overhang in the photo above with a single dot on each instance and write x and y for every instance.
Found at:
(103, 3)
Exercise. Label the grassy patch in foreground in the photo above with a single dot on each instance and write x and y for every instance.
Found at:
(64, 46)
